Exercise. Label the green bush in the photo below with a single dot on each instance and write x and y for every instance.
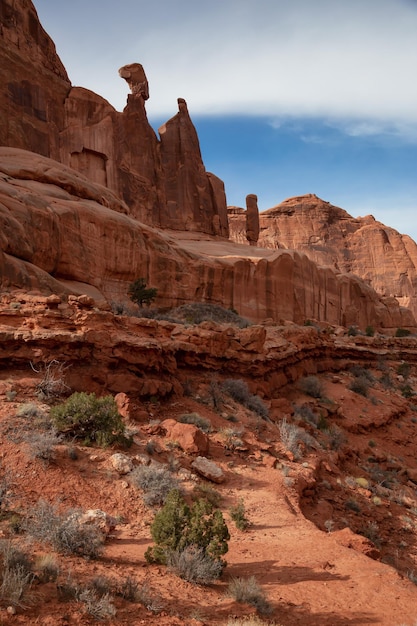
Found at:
(238, 515)
(369, 331)
(90, 419)
(177, 526)
(140, 293)
(402, 332)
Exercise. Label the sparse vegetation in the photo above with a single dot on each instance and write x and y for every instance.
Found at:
(202, 490)
(194, 418)
(360, 385)
(84, 416)
(248, 590)
(311, 386)
(16, 576)
(402, 332)
(63, 530)
(177, 526)
(239, 391)
(141, 294)
(53, 383)
(238, 515)
(193, 565)
(42, 445)
(156, 483)
(99, 607)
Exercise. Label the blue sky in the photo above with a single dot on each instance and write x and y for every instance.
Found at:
(288, 97)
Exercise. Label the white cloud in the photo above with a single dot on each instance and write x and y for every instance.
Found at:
(333, 59)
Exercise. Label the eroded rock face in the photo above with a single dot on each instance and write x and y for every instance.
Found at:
(33, 81)
(331, 237)
(252, 219)
(194, 200)
(164, 183)
(62, 234)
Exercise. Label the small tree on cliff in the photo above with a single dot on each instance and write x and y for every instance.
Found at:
(140, 293)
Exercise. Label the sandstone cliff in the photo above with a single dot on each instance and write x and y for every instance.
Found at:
(163, 182)
(59, 232)
(329, 236)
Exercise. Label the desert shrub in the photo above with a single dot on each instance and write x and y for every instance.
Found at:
(16, 576)
(306, 414)
(311, 386)
(336, 437)
(194, 418)
(100, 607)
(215, 395)
(404, 369)
(406, 391)
(369, 331)
(64, 531)
(150, 600)
(30, 410)
(140, 293)
(248, 620)
(352, 505)
(47, 568)
(360, 385)
(386, 380)
(353, 331)
(197, 312)
(177, 526)
(42, 445)
(155, 482)
(292, 437)
(238, 515)
(239, 391)
(362, 372)
(208, 492)
(402, 332)
(248, 590)
(371, 532)
(5, 489)
(232, 438)
(128, 589)
(85, 417)
(193, 565)
(52, 384)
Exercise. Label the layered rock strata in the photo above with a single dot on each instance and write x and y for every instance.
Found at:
(331, 237)
(61, 233)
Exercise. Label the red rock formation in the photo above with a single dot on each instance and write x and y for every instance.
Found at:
(252, 219)
(190, 194)
(61, 233)
(33, 81)
(40, 112)
(331, 237)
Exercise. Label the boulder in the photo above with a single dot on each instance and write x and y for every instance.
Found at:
(208, 469)
(121, 463)
(190, 438)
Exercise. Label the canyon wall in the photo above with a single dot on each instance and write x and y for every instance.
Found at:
(329, 236)
(163, 182)
(62, 233)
